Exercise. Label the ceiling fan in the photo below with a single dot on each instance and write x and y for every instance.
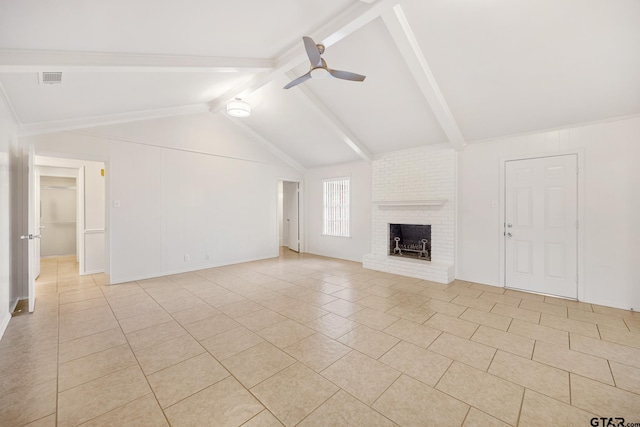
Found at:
(319, 67)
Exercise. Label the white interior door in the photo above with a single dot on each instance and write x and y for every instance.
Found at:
(32, 233)
(80, 222)
(291, 212)
(541, 225)
(37, 226)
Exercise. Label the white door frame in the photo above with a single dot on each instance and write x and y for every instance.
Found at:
(31, 224)
(301, 233)
(579, 152)
(37, 224)
(75, 165)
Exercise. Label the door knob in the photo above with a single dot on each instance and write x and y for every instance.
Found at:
(30, 237)
(509, 225)
(509, 234)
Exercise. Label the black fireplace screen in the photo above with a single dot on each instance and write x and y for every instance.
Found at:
(410, 240)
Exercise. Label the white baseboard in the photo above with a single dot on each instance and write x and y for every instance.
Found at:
(330, 254)
(614, 304)
(4, 323)
(204, 266)
(88, 273)
(13, 306)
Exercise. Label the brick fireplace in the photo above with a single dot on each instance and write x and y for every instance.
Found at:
(416, 187)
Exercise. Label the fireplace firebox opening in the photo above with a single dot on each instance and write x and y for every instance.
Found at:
(410, 241)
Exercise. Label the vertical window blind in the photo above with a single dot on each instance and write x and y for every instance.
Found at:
(336, 207)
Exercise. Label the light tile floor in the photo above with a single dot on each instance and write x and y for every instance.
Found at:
(312, 341)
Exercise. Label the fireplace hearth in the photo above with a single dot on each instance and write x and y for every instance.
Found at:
(410, 241)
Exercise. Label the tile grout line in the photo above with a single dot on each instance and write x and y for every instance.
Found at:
(521, 406)
(435, 386)
(58, 304)
(340, 388)
(388, 387)
(613, 377)
(486, 371)
(258, 414)
(137, 362)
(222, 365)
(320, 405)
(192, 337)
(571, 392)
(466, 415)
(535, 341)
(454, 397)
(58, 348)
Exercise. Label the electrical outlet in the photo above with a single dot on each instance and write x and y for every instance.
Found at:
(187, 257)
(207, 256)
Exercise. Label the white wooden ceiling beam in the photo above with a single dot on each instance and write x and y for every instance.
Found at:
(267, 144)
(20, 61)
(37, 128)
(332, 121)
(354, 18)
(403, 36)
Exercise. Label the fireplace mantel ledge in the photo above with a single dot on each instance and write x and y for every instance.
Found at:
(408, 203)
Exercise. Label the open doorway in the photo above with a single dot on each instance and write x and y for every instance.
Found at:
(58, 216)
(289, 215)
(70, 214)
(90, 255)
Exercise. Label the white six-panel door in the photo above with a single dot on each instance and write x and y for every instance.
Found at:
(541, 225)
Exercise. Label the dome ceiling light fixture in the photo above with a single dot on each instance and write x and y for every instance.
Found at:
(238, 108)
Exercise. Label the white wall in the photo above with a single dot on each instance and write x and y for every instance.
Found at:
(191, 185)
(280, 213)
(610, 205)
(94, 217)
(68, 145)
(350, 248)
(8, 141)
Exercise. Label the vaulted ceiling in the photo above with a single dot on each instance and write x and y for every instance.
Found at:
(453, 71)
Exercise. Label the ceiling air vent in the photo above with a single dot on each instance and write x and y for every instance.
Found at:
(50, 78)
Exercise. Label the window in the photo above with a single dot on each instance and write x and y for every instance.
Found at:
(336, 207)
